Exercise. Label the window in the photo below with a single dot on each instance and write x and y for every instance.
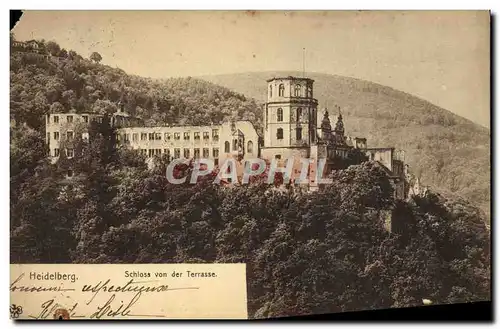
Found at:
(177, 153)
(167, 136)
(135, 137)
(270, 91)
(205, 135)
(144, 136)
(196, 153)
(144, 152)
(158, 152)
(215, 152)
(151, 136)
(215, 135)
(70, 118)
(279, 133)
(206, 153)
(151, 152)
(56, 152)
(186, 136)
(299, 113)
(56, 135)
(250, 147)
(69, 135)
(279, 115)
(298, 134)
(277, 156)
(281, 91)
(167, 153)
(226, 147)
(186, 153)
(197, 135)
(70, 173)
(86, 118)
(158, 136)
(56, 119)
(297, 91)
(235, 144)
(177, 136)
(69, 153)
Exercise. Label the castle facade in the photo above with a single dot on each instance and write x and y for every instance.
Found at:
(290, 130)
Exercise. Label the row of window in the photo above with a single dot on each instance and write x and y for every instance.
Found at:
(69, 118)
(69, 136)
(169, 136)
(297, 91)
(177, 153)
(298, 133)
(279, 114)
(237, 144)
(69, 152)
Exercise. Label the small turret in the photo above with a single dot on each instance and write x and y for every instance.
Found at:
(326, 127)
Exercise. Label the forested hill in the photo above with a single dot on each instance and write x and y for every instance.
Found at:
(64, 81)
(448, 152)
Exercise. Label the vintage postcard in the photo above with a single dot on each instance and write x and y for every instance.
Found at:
(248, 164)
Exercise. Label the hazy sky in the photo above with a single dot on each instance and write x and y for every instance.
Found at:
(442, 57)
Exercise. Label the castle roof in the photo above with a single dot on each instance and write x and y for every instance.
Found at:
(290, 78)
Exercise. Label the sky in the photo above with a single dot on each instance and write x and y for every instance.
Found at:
(440, 56)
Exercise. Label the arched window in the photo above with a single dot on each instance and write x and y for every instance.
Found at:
(279, 133)
(281, 90)
(297, 91)
(279, 114)
(226, 147)
(250, 147)
(270, 91)
(299, 113)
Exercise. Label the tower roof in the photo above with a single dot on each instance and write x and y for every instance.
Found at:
(290, 78)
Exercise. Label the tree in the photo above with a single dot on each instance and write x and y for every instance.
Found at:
(53, 48)
(96, 57)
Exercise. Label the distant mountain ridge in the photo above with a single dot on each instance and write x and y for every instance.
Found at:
(450, 153)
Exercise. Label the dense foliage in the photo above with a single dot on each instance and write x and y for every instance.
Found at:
(317, 252)
(65, 82)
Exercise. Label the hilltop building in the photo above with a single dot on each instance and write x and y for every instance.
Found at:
(290, 131)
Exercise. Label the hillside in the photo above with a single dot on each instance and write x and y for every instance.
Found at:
(448, 152)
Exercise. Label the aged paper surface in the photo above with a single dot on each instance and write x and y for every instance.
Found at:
(129, 291)
(342, 156)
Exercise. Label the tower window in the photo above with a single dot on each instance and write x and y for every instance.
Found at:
(281, 91)
(279, 115)
(250, 147)
(270, 91)
(279, 133)
(235, 144)
(299, 134)
(226, 147)
(297, 91)
(299, 113)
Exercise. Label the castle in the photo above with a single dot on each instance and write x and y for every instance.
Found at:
(290, 119)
